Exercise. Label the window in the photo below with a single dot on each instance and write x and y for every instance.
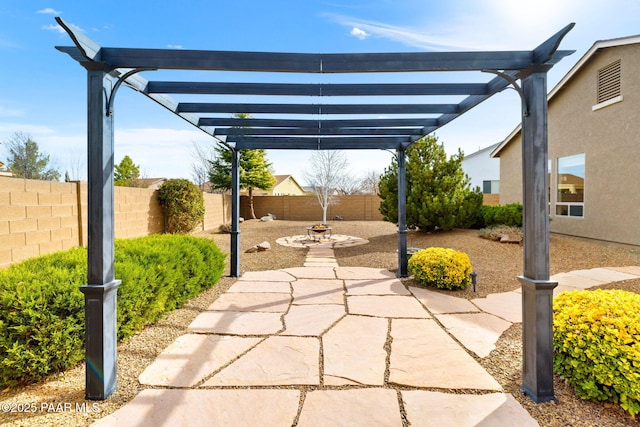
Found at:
(609, 88)
(491, 187)
(570, 185)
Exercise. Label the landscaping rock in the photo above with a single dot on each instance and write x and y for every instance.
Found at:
(264, 246)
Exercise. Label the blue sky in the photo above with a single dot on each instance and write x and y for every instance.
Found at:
(42, 91)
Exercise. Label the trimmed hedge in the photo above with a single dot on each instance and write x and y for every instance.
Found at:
(441, 267)
(42, 308)
(510, 215)
(597, 345)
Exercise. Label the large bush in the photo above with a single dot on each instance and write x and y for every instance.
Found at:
(597, 345)
(439, 195)
(440, 267)
(183, 205)
(42, 308)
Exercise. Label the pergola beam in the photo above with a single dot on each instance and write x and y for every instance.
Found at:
(353, 109)
(321, 143)
(314, 63)
(317, 124)
(317, 89)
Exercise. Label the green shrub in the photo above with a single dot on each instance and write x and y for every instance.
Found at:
(441, 267)
(183, 205)
(510, 215)
(42, 308)
(597, 345)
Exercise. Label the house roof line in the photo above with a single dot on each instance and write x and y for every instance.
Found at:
(599, 44)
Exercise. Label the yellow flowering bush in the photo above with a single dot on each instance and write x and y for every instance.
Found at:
(441, 267)
(596, 341)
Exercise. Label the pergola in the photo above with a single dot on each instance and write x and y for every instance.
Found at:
(311, 125)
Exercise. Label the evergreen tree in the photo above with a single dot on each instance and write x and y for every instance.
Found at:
(26, 161)
(255, 171)
(127, 173)
(439, 196)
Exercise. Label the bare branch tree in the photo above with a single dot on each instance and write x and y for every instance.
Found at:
(370, 181)
(201, 156)
(325, 173)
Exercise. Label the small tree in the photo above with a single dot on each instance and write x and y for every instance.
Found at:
(255, 171)
(438, 191)
(127, 173)
(326, 173)
(26, 161)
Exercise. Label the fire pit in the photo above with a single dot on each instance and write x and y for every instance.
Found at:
(317, 232)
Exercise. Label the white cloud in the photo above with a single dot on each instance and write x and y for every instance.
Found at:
(175, 46)
(359, 33)
(54, 27)
(10, 112)
(49, 11)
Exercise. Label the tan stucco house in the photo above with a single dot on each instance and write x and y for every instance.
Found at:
(594, 147)
(286, 185)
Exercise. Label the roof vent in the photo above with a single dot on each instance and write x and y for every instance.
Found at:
(609, 82)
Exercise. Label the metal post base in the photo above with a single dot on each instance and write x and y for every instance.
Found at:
(537, 338)
(100, 339)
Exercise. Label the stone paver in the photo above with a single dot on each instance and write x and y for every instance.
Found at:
(318, 291)
(267, 276)
(376, 287)
(397, 306)
(422, 355)
(237, 323)
(575, 281)
(430, 408)
(227, 347)
(354, 351)
(272, 287)
(311, 320)
(195, 408)
(604, 274)
(361, 407)
(311, 272)
(362, 273)
(191, 358)
(331, 265)
(255, 301)
(275, 361)
(634, 270)
(476, 331)
(507, 305)
(438, 303)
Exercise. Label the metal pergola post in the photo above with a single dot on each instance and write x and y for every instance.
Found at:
(101, 290)
(537, 289)
(235, 214)
(402, 214)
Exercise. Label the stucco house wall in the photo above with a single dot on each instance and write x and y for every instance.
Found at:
(609, 137)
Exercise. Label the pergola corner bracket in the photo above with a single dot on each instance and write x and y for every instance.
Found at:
(516, 87)
(121, 80)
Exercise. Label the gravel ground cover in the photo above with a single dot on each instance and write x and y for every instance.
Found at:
(59, 401)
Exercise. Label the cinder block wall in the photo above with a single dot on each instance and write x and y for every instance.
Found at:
(217, 211)
(306, 208)
(39, 217)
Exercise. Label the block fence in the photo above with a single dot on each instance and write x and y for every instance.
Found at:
(39, 217)
(306, 208)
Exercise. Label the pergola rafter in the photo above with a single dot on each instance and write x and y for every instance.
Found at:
(309, 122)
